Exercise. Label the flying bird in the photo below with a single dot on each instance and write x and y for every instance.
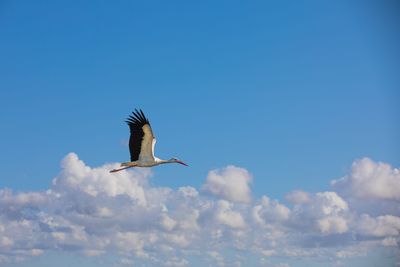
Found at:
(141, 144)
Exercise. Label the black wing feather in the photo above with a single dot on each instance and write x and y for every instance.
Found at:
(135, 122)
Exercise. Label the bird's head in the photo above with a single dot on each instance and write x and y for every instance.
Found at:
(175, 160)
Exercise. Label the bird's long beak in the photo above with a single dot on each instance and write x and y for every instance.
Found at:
(181, 162)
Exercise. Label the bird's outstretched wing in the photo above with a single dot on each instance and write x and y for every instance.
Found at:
(141, 141)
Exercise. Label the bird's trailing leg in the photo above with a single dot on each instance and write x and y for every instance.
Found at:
(120, 169)
(125, 165)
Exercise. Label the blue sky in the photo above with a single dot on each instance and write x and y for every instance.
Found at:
(291, 91)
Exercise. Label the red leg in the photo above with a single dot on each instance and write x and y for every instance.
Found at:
(120, 169)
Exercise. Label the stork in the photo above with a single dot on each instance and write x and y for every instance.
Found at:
(141, 144)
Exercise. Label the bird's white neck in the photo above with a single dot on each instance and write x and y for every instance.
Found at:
(163, 161)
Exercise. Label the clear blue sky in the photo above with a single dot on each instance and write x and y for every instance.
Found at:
(293, 91)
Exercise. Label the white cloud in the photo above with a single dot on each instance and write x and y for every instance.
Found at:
(31, 199)
(176, 262)
(381, 226)
(326, 212)
(332, 224)
(329, 203)
(79, 177)
(230, 183)
(225, 215)
(298, 197)
(390, 241)
(369, 179)
(94, 213)
(270, 211)
(167, 222)
(217, 257)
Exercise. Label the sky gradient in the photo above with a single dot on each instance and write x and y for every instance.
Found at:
(293, 93)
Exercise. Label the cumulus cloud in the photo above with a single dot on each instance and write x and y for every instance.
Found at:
(381, 226)
(298, 197)
(270, 211)
(371, 187)
(369, 179)
(94, 213)
(76, 176)
(225, 215)
(231, 183)
(326, 212)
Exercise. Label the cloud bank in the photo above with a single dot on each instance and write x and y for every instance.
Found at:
(91, 212)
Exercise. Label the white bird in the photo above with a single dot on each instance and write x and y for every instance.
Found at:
(141, 144)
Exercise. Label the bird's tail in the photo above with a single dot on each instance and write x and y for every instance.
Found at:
(128, 164)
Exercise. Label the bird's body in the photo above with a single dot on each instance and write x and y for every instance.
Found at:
(141, 144)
